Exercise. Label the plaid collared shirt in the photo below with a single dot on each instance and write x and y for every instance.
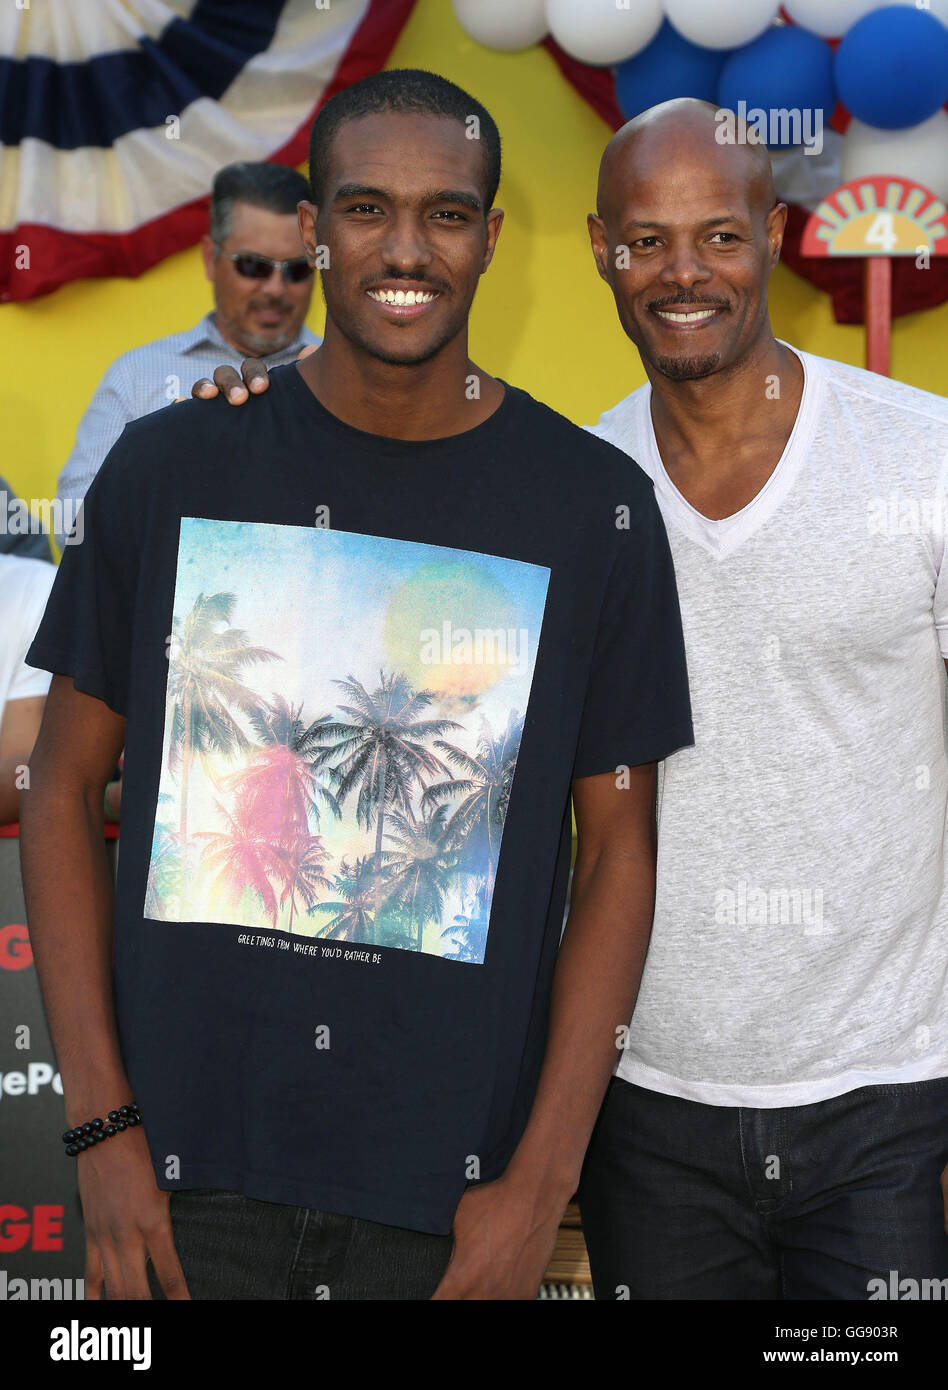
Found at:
(143, 380)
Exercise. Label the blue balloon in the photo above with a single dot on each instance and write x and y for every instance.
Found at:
(892, 67)
(786, 69)
(669, 67)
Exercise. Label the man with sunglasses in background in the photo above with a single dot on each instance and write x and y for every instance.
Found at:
(253, 256)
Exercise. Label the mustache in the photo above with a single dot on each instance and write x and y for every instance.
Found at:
(688, 302)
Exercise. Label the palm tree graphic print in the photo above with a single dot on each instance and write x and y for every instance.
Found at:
(342, 722)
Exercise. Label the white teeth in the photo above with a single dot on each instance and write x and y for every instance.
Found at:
(405, 297)
(685, 318)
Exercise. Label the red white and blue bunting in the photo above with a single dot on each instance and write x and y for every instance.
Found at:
(116, 114)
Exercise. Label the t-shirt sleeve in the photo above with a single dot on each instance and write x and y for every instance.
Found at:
(637, 707)
(30, 597)
(27, 684)
(86, 631)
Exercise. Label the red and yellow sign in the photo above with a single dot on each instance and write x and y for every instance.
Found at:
(880, 216)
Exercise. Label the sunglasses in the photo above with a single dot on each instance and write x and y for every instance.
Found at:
(254, 267)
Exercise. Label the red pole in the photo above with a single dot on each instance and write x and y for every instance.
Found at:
(877, 311)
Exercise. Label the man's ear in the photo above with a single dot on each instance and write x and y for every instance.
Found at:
(776, 226)
(307, 214)
(599, 240)
(207, 255)
(494, 221)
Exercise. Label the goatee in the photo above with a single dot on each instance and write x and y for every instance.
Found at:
(688, 368)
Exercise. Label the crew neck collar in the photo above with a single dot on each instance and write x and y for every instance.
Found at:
(487, 431)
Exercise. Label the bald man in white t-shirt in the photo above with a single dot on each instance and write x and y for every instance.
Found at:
(24, 589)
(778, 1123)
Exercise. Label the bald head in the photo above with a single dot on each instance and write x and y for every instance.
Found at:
(687, 234)
(676, 140)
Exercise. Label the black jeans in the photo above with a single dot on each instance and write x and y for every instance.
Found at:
(687, 1201)
(236, 1247)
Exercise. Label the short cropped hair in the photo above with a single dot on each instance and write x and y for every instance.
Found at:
(273, 187)
(402, 90)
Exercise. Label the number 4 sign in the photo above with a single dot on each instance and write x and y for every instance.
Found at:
(882, 233)
(878, 218)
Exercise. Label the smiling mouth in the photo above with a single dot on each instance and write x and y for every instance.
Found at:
(402, 297)
(682, 318)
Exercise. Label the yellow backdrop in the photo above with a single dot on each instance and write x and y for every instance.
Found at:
(542, 319)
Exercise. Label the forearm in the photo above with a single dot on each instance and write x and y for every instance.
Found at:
(594, 991)
(68, 890)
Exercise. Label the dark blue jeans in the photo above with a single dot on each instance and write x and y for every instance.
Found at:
(236, 1247)
(687, 1201)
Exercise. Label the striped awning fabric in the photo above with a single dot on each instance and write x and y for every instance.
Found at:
(116, 114)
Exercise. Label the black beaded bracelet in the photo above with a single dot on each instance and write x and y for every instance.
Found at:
(93, 1132)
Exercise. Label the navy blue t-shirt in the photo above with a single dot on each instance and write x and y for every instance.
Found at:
(358, 675)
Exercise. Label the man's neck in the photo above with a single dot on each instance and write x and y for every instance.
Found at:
(443, 396)
(713, 417)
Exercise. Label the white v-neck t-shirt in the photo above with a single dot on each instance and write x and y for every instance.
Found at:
(800, 943)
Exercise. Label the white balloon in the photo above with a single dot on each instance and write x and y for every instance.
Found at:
(721, 23)
(504, 24)
(919, 153)
(832, 18)
(602, 31)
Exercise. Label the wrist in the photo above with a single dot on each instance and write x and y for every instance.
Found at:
(547, 1189)
(98, 1099)
(97, 1130)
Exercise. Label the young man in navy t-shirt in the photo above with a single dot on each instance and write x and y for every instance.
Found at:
(362, 642)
